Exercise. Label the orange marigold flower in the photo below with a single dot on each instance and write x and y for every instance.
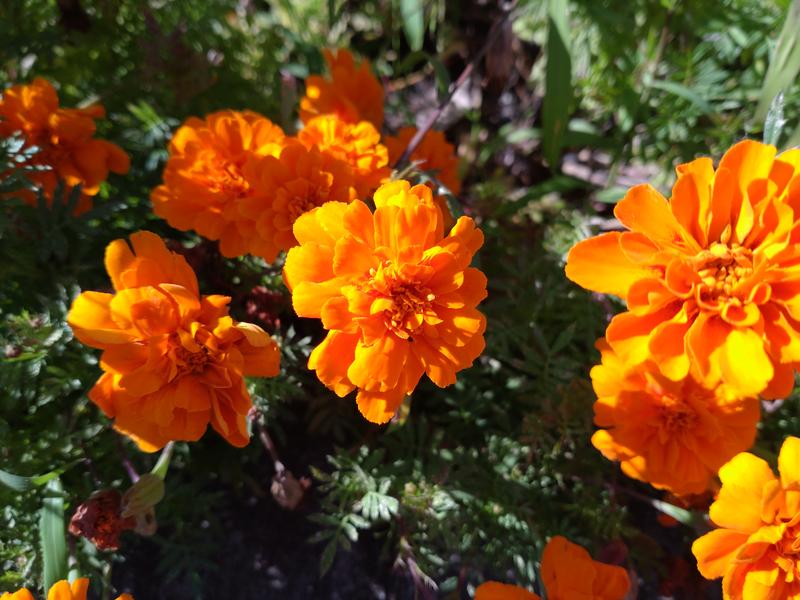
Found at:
(674, 435)
(61, 590)
(357, 144)
(292, 184)
(434, 154)
(64, 139)
(210, 173)
(568, 573)
(397, 297)
(709, 277)
(494, 590)
(756, 549)
(353, 93)
(173, 360)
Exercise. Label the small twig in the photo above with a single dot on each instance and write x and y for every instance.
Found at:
(90, 465)
(126, 462)
(415, 141)
(266, 440)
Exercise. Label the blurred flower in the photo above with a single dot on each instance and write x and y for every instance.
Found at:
(209, 173)
(756, 549)
(397, 297)
(357, 144)
(434, 154)
(674, 435)
(291, 184)
(265, 305)
(173, 360)
(64, 140)
(61, 590)
(709, 277)
(568, 573)
(494, 590)
(353, 93)
(100, 520)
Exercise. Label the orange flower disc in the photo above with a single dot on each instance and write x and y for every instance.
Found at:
(353, 93)
(756, 549)
(173, 360)
(568, 573)
(674, 435)
(64, 139)
(357, 144)
(710, 277)
(210, 173)
(397, 297)
(434, 154)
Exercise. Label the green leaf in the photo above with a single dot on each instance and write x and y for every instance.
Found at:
(326, 560)
(413, 14)
(52, 534)
(15, 482)
(162, 464)
(684, 92)
(785, 63)
(773, 124)
(558, 82)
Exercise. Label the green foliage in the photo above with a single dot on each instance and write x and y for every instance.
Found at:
(471, 480)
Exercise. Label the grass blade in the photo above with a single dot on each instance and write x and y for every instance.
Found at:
(558, 82)
(785, 63)
(52, 534)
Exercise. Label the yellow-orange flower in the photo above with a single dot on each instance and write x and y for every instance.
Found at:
(494, 590)
(397, 297)
(61, 590)
(357, 144)
(292, 184)
(710, 277)
(173, 360)
(568, 573)
(210, 172)
(433, 154)
(756, 549)
(64, 141)
(674, 435)
(352, 92)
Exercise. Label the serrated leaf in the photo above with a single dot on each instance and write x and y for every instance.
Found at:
(328, 554)
(52, 534)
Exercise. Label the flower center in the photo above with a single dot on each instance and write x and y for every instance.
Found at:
(789, 545)
(722, 269)
(300, 205)
(675, 415)
(192, 362)
(406, 303)
(229, 181)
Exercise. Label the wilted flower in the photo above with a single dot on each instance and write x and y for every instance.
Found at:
(100, 520)
(710, 276)
(674, 435)
(66, 148)
(756, 549)
(352, 92)
(173, 360)
(397, 297)
(209, 173)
